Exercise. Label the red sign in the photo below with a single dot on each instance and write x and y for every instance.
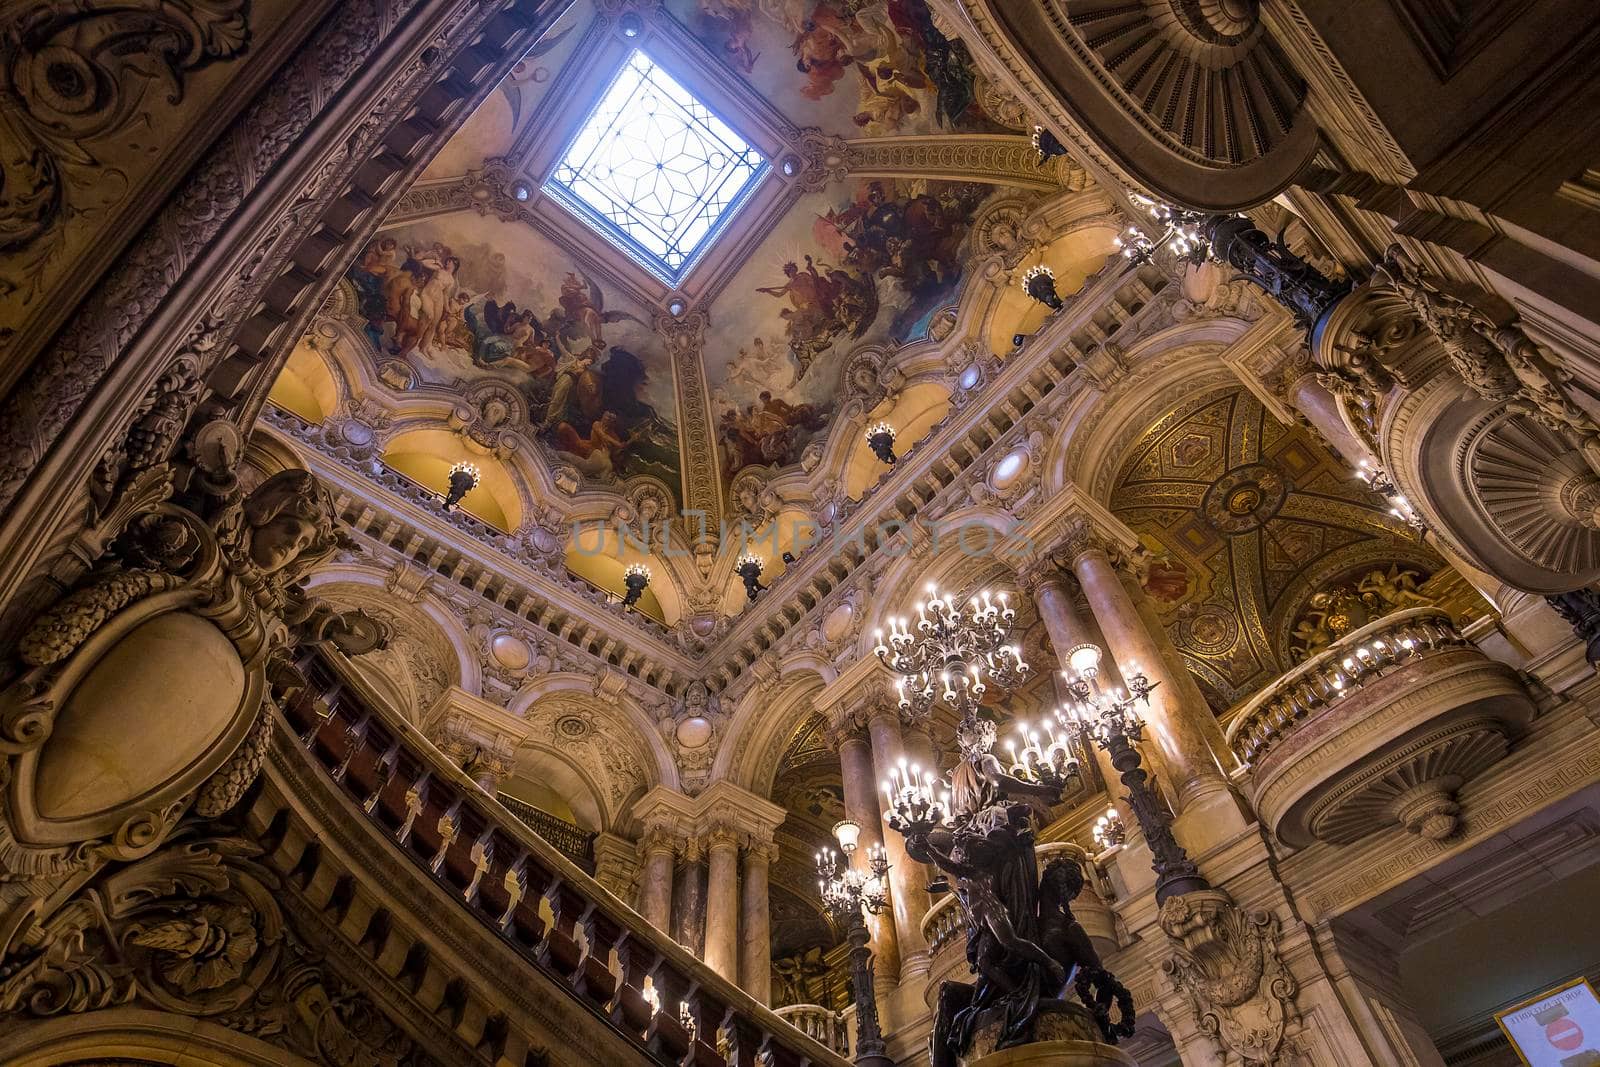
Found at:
(1564, 1034)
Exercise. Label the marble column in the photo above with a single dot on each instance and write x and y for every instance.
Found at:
(1188, 690)
(908, 883)
(1179, 729)
(490, 765)
(689, 900)
(655, 891)
(616, 864)
(861, 806)
(722, 903)
(1321, 408)
(1068, 626)
(755, 923)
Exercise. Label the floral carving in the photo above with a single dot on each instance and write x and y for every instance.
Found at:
(80, 78)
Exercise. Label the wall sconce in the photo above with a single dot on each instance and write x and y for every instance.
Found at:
(880, 436)
(749, 568)
(636, 576)
(1040, 283)
(463, 480)
(1047, 144)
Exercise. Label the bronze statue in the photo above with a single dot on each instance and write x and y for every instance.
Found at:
(1023, 945)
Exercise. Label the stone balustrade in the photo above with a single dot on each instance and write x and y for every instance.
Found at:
(827, 1028)
(944, 927)
(1338, 671)
(1382, 727)
(660, 998)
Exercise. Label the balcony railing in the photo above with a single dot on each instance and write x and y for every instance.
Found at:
(573, 842)
(827, 1028)
(1336, 673)
(518, 885)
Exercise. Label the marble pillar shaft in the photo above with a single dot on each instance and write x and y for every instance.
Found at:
(861, 806)
(1321, 408)
(655, 892)
(908, 885)
(755, 927)
(1176, 726)
(689, 905)
(722, 907)
(1067, 627)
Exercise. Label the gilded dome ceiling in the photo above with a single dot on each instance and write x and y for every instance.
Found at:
(1247, 519)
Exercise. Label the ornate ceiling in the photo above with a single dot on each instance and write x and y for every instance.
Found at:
(886, 152)
(1247, 519)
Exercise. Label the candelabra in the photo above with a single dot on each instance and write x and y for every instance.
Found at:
(1266, 262)
(463, 480)
(915, 798)
(1110, 718)
(880, 437)
(952, 652)
(1379, 482)
(1049, 760)
(851, 894)
(1181, 231)
(1047, 144)
(1040, 283)
(636, 576)
(749, 567)
(1108, 830)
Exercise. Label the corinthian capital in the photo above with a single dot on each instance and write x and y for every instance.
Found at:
(1080, 536)
(1040, 573)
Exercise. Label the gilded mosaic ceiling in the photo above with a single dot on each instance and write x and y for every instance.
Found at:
(1247, 519)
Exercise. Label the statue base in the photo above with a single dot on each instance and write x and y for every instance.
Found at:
(1064, 1035)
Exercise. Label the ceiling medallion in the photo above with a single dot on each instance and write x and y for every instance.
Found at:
(1244, 498)
(573, 727)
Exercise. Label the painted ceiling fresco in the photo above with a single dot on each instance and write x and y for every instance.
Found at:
(1247, 519)
(464, 297)
(850, 68)
(495, 281)
(859, 262)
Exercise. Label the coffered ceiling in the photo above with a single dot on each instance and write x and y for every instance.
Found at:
(1247, 518)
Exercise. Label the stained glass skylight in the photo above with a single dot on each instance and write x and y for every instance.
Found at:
(654, 171)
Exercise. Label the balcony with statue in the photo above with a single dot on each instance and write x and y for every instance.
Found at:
(1390, 711)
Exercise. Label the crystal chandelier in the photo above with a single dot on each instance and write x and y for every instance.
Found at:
(636, 578)
(849, 891)
(464, 479)
(952, 652)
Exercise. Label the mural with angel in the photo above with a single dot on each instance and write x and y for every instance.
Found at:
(446, 298)
(864, 67)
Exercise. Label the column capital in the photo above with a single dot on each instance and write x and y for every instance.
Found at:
(762, 852)
(1042, 572)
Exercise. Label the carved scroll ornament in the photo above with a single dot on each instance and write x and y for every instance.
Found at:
(1225, 963)
(159, 664)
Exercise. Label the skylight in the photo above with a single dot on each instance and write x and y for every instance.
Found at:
(654, 171)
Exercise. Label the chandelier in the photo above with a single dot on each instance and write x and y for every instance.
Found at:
(952, 652)
(847, 890)
(1181, 231)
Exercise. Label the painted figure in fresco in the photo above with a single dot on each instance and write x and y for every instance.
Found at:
(731, 23)
(770, 431)
(821, 51)
(585, 395)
